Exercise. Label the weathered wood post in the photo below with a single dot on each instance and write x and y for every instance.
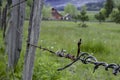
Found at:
(13, 36)
(0, 15)
(33, 36)
(0, 12)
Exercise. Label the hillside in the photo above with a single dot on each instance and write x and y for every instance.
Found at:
(60, 4)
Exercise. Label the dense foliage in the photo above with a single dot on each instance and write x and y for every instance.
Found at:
(71, 9)
(109, 5)
(83, 16)
(100, 16)
(46, 12)
(115, 15)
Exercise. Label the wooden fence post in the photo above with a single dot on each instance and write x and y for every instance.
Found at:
(0, 16)
(13, 36)
(33, 36)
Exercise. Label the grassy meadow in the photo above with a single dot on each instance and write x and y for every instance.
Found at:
(100, 40)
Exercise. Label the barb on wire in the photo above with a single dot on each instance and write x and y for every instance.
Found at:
(83, 57)
(79, 43)
(60, 53)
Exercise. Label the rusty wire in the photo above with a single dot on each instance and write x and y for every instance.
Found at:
(84, 57)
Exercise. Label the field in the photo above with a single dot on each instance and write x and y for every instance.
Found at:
(100, 40)
(91, 15)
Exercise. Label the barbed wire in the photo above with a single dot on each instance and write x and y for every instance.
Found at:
(84, 57)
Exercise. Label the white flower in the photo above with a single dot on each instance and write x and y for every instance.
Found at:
(41, 40)
(52, 47)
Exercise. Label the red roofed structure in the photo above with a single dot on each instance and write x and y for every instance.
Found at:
(55, 14)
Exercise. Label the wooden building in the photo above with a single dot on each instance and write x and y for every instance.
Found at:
(56, 15)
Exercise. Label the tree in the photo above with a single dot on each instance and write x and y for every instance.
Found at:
(33, 36)
(83, 16)
(71, 9)
(109, 5)
(46, 12)
(115, 15)
(103, 11)
(100, 16)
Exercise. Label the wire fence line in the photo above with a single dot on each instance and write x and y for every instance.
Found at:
(83, 57)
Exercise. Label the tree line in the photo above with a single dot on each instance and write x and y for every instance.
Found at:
(109, 12)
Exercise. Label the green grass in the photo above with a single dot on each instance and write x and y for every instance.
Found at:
(91, 15)
(100, 40)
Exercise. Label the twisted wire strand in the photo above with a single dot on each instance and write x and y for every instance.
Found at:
(84, 57)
